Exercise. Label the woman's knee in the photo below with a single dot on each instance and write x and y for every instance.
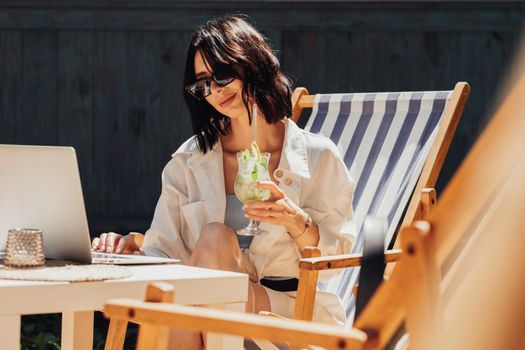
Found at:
(216, 235)
(258, 299)
(217, 247)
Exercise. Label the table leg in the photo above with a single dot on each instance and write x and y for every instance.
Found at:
(10, 331)
(77, 330)
(215, 341)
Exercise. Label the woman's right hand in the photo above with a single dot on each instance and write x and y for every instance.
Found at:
(112, 242)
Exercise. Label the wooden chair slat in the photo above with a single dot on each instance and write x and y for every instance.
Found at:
(235, 323)
(342, 261)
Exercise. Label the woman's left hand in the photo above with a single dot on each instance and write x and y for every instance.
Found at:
(277, 210)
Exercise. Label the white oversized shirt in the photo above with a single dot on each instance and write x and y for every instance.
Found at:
(310, 172)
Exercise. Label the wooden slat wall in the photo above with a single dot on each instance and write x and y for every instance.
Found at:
(105, 76)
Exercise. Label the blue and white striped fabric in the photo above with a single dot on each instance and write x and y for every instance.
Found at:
(384, 139)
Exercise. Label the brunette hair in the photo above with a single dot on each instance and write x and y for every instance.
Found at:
(232, 41)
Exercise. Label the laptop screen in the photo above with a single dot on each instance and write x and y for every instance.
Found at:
(40, 188)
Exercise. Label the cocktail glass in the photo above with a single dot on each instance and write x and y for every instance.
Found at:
(252, 169)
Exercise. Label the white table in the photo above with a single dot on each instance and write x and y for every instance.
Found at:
(78, 301)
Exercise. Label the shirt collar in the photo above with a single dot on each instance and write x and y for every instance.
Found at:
(197, 159)
(294, 155)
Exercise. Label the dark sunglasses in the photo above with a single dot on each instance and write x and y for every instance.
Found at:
(202, 87)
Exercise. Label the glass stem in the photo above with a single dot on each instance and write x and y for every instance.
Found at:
(253, 225)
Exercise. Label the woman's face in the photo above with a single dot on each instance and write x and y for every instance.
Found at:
(227, 99)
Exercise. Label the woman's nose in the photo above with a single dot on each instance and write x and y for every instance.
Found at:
(215, 88)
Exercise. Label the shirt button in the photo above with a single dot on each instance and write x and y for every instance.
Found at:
(288, 181)
(278, 173)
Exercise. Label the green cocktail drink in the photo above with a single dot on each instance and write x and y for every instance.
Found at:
(253, 167)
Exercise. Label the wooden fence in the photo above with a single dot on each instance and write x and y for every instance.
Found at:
(105, 76)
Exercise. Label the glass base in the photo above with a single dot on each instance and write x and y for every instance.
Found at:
(252, 230)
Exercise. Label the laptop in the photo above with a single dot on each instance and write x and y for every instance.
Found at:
(40, 188)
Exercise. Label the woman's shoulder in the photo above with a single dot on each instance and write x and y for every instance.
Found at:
(174, 170)
(181, 156)
(188, 148)
(315, 147)
(313, 142)
(324, 156)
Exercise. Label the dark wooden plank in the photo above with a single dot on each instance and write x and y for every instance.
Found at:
(163, 4)
(110, 107)
(159, 62)
(176, 123)
(395, 56)
(39, 87)
(75, 101)
(145, 121)
(300, 61)
(167, 4)
(333, 16)
(143, 67)
(170, 124)
(174, 119)
(483, 60)
(11, 125)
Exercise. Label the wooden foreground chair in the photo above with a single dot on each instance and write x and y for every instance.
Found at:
(458, 284)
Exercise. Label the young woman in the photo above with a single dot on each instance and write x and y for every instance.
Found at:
(230, 68)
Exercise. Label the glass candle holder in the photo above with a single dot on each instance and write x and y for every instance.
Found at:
(24, 248)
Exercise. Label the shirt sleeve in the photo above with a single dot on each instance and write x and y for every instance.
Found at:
(329, 204)
(164, 236)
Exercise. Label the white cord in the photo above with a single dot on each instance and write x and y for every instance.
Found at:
(254, 121)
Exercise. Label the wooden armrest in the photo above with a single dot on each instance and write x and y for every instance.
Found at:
(235, 323)
(341, 261)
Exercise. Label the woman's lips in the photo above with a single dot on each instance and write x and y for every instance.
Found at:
(227, 100)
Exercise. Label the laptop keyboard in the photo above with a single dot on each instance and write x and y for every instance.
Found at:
(101, 255)
(94, 254)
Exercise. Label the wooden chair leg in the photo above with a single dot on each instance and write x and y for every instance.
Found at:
(155, 292)
(306, 290)
(150, 336)
(428, 202)
(116, 335)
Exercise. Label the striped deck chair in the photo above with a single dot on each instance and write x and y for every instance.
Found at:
(394, 144)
